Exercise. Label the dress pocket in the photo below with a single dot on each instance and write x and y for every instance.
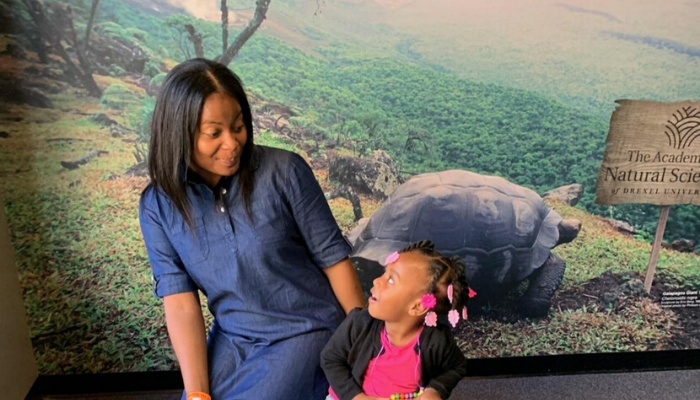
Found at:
(191, 246)
(268, 220)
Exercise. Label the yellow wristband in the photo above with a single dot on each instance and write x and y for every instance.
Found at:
(198, 396)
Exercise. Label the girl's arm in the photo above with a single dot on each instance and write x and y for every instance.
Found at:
(346, 285)
(334, 359)
(183, 315)
(453, 366)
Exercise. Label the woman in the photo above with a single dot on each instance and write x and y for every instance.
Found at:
(248, 226)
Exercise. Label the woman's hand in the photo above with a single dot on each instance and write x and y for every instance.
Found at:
(430, 394)
(363, 396)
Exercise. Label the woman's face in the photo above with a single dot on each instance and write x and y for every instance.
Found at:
(220, 138)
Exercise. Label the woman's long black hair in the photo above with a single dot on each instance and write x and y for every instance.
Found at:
(176, 119)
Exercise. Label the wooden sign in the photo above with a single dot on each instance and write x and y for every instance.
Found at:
(652, 154)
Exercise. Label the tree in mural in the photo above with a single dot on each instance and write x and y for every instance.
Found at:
(415, 139)
(224, 26)
(187, 28)
(93, 11)
(197, 40)
(230, 53)
(53, 24)
(184, 29)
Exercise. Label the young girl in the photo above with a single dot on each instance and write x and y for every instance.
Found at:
(394, 348)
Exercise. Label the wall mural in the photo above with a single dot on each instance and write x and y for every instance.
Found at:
(480, 125)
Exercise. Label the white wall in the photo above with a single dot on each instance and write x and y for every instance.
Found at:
(17, 366)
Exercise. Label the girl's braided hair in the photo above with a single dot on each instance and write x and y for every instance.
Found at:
(443, 271)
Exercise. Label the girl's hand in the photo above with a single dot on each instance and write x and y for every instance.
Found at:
(430, 394)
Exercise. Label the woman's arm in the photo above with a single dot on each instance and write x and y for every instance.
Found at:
(321, 234)
(346, 285)
(183, 315)
(172, 283)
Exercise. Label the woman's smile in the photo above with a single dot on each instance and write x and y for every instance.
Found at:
(228, 162)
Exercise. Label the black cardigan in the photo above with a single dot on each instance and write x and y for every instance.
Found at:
(357, 340)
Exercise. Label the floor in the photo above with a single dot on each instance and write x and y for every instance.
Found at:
(667, 385)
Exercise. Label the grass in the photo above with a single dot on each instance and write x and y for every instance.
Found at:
(266, 138)
(642, 327)
(83, 267)
(600, 248)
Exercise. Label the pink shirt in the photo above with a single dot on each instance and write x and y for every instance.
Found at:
(394, 370)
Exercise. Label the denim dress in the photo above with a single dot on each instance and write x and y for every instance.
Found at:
(262, 274)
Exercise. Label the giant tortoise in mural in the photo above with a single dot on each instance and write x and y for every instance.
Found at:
(504, 233)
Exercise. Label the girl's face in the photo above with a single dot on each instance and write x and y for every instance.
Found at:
(220, 138)
(397, 293)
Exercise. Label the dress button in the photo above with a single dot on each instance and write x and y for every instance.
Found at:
(223, 191)
(223, 209)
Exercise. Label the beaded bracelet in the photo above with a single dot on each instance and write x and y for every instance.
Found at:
(398, 396)
(198, 396)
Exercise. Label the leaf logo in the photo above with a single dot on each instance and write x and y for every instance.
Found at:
(684, 129)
